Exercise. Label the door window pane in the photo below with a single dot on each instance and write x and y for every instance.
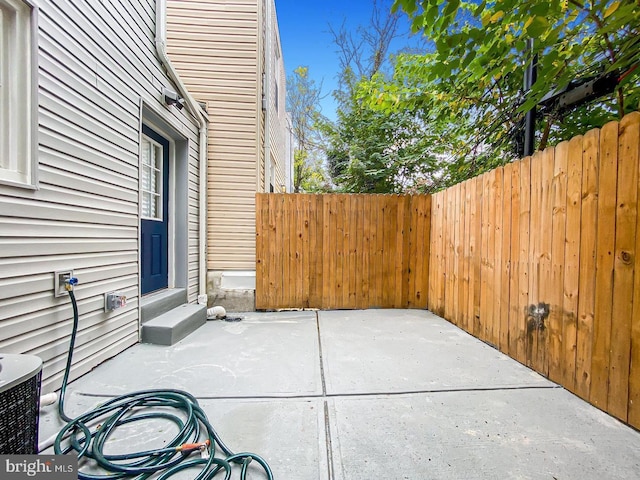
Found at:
(151, 179)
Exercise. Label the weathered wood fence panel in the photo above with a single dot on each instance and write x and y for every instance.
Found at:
(541, 258)
(342, 251)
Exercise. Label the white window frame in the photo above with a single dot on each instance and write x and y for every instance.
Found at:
(160, 193)
(18, 93)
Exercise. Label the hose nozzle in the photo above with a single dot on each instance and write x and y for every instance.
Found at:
(193, 446)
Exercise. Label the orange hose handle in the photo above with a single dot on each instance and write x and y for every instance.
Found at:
(193, 446)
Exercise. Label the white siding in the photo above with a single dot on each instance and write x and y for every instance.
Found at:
(218, 46)
(96, 63)
(277, 134)
(214, 45)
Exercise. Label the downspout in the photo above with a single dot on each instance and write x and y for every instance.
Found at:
(267, 96)
(194, 108)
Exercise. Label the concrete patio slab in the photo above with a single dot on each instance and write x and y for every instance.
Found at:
(396, 351)
(345, 395)
(288, 433)
(508, 434)
(268, 354)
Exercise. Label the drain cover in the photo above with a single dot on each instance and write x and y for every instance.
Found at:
(232, 319)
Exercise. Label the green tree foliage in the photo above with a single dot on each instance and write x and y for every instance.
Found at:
(469, 87)
(380, 152)
(303, 97)
(368, 150)
(310, 173)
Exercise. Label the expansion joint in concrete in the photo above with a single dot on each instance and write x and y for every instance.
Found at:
(327, 423)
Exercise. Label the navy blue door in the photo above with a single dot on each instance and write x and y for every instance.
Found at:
(154, 178)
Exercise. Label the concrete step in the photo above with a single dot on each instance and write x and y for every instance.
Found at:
(174, 325)
(156, 304)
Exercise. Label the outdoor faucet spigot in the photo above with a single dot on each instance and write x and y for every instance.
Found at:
(70, 283)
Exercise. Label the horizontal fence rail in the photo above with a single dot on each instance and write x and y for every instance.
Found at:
(342, 251)
(540, 258)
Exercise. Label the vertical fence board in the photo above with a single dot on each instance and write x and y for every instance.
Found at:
(367, 258)
(379, 252)
(470, 251)
(314, 275)
(417, 254)
(345, 236)
(343, 250)
(634, 364)
(464, 272)
(505, 248)
(441, 277)
(425, 236)
(262, 241)
(546, 238)
(357, 270)
(571, 265)
(446, 252)
(409, 284)
(298, 210)
(523, 283)
(434, 254)
(444, 248)
(413, 253)
(354, 272)
(626, 218)
(587, 277)
(463, 280)
(558, 239)
(276, 259)
(404, 220)
(328, 264)
(397, 253)
(535, 253)
(286, 251)
(384, 250)
(391, 221)
(436, 242)
(351, 273)
(291, 233)
(381, 247)
(496, 258)
(477, 260)
(342, 247)
(605, 247)
(514, 310)
(455, 254)
(306, 242)
(385, 246)
(296, 250)
(485, 277)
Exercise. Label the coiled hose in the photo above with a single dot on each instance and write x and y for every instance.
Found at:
(196, 435)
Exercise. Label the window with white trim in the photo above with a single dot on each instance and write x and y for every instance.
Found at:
(17, 95)
(152, 159)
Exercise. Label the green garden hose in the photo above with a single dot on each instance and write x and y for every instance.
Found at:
(196, 434)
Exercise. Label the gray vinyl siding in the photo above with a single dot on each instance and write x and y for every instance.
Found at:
(218, 46)
(97, 62)
(277, 134)
(214, 47)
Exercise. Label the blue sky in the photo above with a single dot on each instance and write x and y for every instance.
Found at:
(305, 37)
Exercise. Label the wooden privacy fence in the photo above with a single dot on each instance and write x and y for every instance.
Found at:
(542, 259)
(342, 251)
